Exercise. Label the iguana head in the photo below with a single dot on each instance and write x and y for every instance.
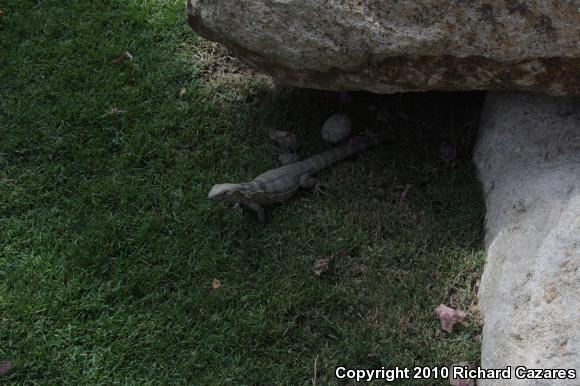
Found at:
(227, 192)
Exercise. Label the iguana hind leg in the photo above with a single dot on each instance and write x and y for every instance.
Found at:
(309, 182)
(260, 213)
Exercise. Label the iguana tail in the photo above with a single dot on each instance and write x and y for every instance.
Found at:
(330, 157)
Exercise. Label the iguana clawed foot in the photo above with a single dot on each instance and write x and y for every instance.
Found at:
(309, 182)
(320, 189)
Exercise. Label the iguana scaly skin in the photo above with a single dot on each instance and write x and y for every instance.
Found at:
(278, 185)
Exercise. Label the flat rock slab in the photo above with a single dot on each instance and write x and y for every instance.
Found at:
(528, 159)
(394, 46)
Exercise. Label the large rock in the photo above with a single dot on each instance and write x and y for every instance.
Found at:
(411, 45)
(528, 158)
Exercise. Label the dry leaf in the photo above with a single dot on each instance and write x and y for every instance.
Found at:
(123, 57)
(320, 266)
(113, 110)
(2, 14)
(449, 317)
(216, 284)
(182, 92)
(5, 367)
(374, 356)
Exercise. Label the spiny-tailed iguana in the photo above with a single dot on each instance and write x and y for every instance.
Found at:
(280, 184)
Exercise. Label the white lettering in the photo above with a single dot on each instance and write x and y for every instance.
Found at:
(459, 372)
(520, 372)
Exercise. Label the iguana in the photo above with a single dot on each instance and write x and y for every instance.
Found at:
(278, 185)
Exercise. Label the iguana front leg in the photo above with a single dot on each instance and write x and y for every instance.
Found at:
(260, 213)
(309, 182)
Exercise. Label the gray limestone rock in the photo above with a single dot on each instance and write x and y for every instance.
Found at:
(394, 46)
(528, 159)
(337, 128)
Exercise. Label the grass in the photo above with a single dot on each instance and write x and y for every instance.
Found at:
(109, 246)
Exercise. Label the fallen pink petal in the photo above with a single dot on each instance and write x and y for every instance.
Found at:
(460, 381)
(449, 317)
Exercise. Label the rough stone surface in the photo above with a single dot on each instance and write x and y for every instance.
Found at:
(393, 46)
(528, 158)
(337, 128)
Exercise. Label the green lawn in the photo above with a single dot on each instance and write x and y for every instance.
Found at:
(109, 246)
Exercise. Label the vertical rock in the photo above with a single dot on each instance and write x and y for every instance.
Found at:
(528, 159)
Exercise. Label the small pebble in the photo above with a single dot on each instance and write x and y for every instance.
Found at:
(336, 128)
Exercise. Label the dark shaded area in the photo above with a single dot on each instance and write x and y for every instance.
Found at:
(428, 119)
